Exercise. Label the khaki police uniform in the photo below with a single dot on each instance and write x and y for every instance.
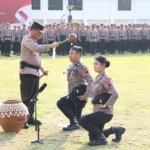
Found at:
(29, 73)
(122, 37)
(82, 34)
(103, 36)
(77, 74)
(134, 37)
(94, 123)
(112, 37)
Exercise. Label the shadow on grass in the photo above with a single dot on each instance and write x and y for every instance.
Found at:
(53, 141)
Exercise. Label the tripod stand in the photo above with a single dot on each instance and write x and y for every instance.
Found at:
(37, 122)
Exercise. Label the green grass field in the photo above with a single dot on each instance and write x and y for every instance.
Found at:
(131, 76)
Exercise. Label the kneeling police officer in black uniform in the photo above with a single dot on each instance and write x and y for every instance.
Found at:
(77, 76)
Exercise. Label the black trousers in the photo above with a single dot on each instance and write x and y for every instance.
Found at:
(128, 45)
(93, 47)
(83, 43)
(94, 123)
(112, 46)
(121, 46)
(71, 108)
(7, 47)
(144, 45)
(102, 46)
(16, 47)
(134, 46)
(28, 88)
(88, 47)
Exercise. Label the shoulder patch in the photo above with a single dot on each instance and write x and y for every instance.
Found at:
(85, 69)
(108, 82)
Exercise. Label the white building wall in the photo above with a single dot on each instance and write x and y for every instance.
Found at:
(96, 11)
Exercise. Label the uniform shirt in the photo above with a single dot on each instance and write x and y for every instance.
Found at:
(134, 34)
(7, 34)
(102, 34)
(63, 31)
(122, 34)
(17, 36)
(82, 33)
(23, 32)
(104, 84)
(112, 35)
(144, 34)
(93, 36)
(88, 35)
(78, 74)
(72, 30)
(128, 33)
(30, 54)
(50, 35)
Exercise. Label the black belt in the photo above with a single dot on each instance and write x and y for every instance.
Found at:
(24, 64)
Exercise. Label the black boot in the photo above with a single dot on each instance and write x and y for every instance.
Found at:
(26, 126)
(32, 121)
(101, 140)
(74, 125)
(118, 131)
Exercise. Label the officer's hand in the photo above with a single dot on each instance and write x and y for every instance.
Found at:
(54, 45)
(45, 72)
(100, 106)
(82, 98)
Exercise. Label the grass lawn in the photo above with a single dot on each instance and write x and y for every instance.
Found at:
(131, 76)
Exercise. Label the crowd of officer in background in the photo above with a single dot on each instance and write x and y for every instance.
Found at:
(94, 39)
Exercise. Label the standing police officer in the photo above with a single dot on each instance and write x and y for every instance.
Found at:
(122, 37)
(82, 38)
(50, 36)
(102, 39)
(7, 37)
(134, 37)
(23, 31)
(77, 75)
(17, 40)
(93, 39)
(112, 36)
(30, 66)
(62, 37)
(144, 38)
